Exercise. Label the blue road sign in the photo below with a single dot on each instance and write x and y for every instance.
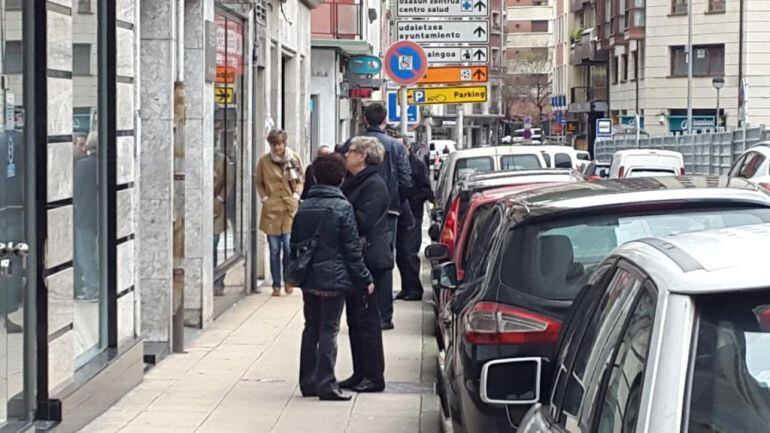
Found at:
(394, 111)
(603, 128)
(405, 62)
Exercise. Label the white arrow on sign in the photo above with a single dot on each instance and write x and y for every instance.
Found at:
(449, 55)
(438, 31)
(442, 9)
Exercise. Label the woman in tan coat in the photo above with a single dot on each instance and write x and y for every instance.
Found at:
(279, 183)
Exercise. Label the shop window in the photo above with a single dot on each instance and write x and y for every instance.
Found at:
(86, 145)
(228, 146)
(708, 61)
(13, 5)
(13, 58)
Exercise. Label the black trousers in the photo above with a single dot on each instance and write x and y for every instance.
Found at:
(383, 291)
(365, 337)
(318, 353)
(408, 244)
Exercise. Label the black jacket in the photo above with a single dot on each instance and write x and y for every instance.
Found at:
(338, 264)
(368, 194)
(395, 169)
(421, 191)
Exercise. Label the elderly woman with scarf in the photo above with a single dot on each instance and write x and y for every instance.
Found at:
(279, 185)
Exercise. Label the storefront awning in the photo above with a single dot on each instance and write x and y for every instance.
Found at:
(350, 47)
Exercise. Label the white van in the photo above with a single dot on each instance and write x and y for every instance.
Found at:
(559, 156)
(646, 163)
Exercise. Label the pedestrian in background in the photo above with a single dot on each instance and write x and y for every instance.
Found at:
(396, 174)
(369, 196)
(337, 270)
(409, 240)
(309, 177)
(279, 183)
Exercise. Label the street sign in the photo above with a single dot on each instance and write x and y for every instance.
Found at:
(394, 111)
(455, 75)
(447, 95)
(365, 65)
(405, 62)
(225, 75)
(447, 55)
(443, 31)
(442, 9)
(224, 95)
(603, 128)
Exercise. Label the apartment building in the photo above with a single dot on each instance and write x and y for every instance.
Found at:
(529, 58)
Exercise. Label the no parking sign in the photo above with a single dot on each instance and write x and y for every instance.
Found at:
(405, 62)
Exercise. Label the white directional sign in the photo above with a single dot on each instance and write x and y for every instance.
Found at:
(443, 31)
(442, 8)
(448, 55)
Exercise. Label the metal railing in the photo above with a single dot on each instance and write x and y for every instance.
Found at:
(711, 153)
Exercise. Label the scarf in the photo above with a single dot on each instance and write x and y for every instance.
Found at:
(287, 163)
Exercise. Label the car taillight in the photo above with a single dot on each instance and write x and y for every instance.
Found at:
(494, 323)
(765, 186)
(450, 226)
(622, 171)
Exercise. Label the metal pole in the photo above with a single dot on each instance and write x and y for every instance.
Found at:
(689, 66)
(637, 119)
(719, 118)
(404, 109)
(460, 121)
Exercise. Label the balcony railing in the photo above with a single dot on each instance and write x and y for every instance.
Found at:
(331, 20)
(585, 51)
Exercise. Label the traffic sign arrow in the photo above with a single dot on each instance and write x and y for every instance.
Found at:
(480, 54)
(479, 31)
(480, 5)
(479, 75)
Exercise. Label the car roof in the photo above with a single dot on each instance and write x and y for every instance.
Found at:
(498, 193)
(634, 152)
(704, 262)
(492, 150)
(506, 178)
(643, 190)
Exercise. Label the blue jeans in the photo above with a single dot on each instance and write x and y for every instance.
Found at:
(277, 244)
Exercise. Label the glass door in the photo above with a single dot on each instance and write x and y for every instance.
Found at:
(13, 249)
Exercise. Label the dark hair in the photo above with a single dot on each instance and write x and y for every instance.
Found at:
(329, 169)
(375, 113)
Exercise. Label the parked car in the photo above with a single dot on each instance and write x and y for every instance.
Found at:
(438, 151)
(646, 163)
(473, 235)
(559, 156)
(672, 335)
(597, 170)
(583, 155)
(484, 160)
(754, 165)
(548, 244)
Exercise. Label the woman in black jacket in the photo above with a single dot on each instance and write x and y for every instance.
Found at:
(337, 270)
(368, 194)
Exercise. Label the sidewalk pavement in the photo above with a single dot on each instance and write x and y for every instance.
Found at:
(241, 375)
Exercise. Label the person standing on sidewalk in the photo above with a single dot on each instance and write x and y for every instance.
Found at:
(309, 177)
(397, 175)
(337, 269)
(409, 240)
(369, 196)
(279, 183)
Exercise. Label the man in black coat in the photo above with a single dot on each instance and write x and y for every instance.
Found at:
(397, 174)
(409, 240)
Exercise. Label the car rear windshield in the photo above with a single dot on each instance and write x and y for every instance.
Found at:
(651, 172)
(468, 166)
(730, 382)
(519, 162)
(553, 260)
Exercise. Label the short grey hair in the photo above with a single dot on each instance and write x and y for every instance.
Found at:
(370, 147)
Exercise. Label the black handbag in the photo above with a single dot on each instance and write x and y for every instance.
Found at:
(299, 266)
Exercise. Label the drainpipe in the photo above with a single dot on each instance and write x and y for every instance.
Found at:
(177, 330)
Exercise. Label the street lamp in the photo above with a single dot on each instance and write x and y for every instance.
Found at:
(718, 83)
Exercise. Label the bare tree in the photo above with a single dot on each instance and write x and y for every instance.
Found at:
(528, 85)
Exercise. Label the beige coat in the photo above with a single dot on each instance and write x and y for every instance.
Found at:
(281, 204)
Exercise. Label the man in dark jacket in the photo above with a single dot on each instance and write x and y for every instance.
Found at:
(337, 270)
(397, 174)
(309, 177)
(409, 240)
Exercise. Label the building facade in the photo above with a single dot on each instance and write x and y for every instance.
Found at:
(125, 123)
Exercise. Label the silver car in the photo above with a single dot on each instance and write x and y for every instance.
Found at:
(754, 165)
(670, 335)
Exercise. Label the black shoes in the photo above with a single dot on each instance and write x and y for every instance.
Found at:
(408, 296)
(350, 382)
(334, 395)
(367, 385)
(309, 393)
(387, 326)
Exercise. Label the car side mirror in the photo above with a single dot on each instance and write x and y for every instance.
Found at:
(512, 381)
(436, 252)
(434, 232)
(447, 276)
